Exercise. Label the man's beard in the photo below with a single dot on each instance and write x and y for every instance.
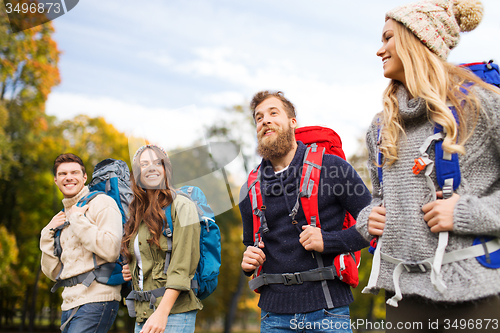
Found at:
(277, 147)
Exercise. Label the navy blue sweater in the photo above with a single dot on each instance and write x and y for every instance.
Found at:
(340, 189)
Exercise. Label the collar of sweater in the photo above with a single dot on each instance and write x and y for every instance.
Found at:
(70, 202)
(272, 183)
(409, 108)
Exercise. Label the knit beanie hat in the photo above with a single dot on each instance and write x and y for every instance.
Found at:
(437, 23)
(141, 149)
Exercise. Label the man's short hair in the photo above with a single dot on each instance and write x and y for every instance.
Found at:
(261, 96)
(67, 158)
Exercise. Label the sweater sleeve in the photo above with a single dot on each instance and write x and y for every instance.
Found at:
(101, 232)
(185, 245)
(377, 194)
(478, 213)
(348, 188)
(51, 265)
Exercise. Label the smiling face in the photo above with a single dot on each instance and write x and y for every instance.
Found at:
(152, 171)
(275, 130)
(393, 66)
(70, 179)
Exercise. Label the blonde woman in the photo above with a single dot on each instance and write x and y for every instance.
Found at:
(415, 222)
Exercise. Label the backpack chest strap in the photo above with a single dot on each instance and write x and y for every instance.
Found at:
(288, 279)
(143, 296)
(100, 273)
(428, 265)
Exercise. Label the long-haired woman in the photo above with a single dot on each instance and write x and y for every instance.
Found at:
(415, 221)
(174, 308)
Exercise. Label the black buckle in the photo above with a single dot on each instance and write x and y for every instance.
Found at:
(291, 278)
(143, 296)
(72, 281)
(417, 267)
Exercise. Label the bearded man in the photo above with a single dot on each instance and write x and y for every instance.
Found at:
(290, 244)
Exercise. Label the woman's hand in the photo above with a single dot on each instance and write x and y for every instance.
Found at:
(157, 322)
(376, 221)
(439, 213)
(127, 275)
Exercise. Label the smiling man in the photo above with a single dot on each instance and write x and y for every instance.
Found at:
(95, 228)
(291, 247)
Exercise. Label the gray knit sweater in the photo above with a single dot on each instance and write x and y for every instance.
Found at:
(406, 235)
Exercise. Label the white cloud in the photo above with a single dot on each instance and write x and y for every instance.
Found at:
(225, 98)
(169, 128)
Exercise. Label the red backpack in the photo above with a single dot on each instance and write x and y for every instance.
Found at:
(320, 140)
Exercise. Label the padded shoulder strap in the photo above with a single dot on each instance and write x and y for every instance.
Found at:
(447, 165)
(87, 198)
(255, 195)
(169, 227)
(380, 157)
(309, 183)
(168, 232)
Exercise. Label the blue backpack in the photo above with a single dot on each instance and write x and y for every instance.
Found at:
(486, 71)
(205, 279)
(110, 177)
(447, 167)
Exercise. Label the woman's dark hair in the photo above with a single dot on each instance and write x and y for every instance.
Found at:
(147, 204)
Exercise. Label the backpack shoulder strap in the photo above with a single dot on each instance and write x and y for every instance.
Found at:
(258, 209)
(168, 232)
(87, 198)
(380, 158)
(447, 165)
(309, 184)
(308, 196)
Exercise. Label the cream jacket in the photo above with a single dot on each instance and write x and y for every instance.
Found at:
(99, 231)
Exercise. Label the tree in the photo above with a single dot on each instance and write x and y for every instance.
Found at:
(92, 139)
(28, 71)
(8, 257)
(238, 129)
(365, 306)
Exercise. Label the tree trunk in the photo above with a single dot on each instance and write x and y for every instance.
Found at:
(233, 306)
(25, 307)
(53, 305)
(2, 312)
(33, 300)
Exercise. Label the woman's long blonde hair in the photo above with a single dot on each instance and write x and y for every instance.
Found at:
(435, 81)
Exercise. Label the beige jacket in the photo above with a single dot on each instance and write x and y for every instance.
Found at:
(99, 231)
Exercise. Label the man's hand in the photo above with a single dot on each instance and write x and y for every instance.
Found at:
(76, 210)
(376, 221)
(253, 257)
(439, 213)
(311, 238)
(57, 220)
(127, 275)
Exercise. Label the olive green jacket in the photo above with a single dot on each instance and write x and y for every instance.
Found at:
(183, 262)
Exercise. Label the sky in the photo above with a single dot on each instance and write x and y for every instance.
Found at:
(164, 70)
